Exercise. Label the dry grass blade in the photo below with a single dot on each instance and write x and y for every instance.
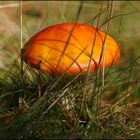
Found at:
(56, 100)
(94, 40)
(21, 37)
(79, 11)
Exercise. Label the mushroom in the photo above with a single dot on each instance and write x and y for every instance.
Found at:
(66, 48)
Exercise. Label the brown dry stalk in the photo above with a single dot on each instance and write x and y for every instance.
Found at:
(92, 50)
(21, 40)
(104, 47)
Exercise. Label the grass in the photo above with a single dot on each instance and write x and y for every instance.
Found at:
(69, 107)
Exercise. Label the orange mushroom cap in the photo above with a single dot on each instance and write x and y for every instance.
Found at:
(67, 48)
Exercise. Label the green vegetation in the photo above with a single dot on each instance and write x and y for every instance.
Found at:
(69, 107)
